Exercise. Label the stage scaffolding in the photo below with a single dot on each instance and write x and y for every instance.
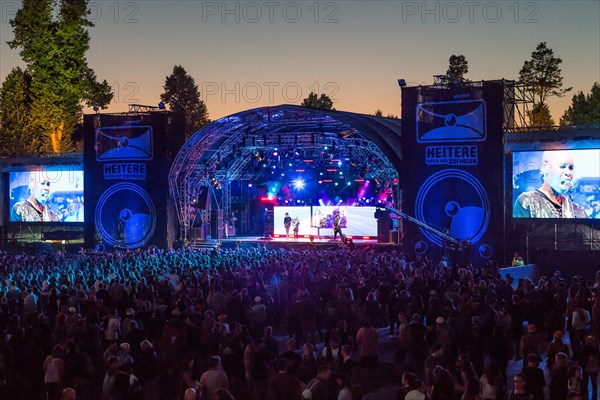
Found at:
(222, 152)
(518, 100)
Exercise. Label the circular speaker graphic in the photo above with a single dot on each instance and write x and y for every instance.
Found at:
(455, 200)
(125, 216)
(485, 251)
(421, 247)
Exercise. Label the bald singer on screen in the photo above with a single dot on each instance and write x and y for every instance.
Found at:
(554, 198)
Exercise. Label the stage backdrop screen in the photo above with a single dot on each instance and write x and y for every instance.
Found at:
(573, 173)
(355, 221)
(302, 213)
(47, 194)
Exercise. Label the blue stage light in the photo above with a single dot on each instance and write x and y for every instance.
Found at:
(298, 184)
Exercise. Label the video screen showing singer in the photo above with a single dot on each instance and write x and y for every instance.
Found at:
(553, 199)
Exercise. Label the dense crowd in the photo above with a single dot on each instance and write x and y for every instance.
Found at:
(191, 324)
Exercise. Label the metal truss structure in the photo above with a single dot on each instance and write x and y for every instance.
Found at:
(518, 100)
(223, 151)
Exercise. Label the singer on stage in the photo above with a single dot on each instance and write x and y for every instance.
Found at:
(554, 198)
(287, 223)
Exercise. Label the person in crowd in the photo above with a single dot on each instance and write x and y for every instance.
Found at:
(519, 392)
(442, 387)
(308, 367)
(435, 358)
(347, 364)
(213, 379)
(559, 377)
(407, 379)
(472, 390)
(283, 385)
(416, 391)
(534, 377)
(343, 382)
(403, 338)
(492, 382)
(69, 394)
(367, 340)
(579, 322)
(590, 361)
(574, 382)
(554, 347)
(319, 387)
(53, 367)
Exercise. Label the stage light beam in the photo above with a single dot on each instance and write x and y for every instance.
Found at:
(298, 184)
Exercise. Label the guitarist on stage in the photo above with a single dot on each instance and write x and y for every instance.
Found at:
(337, 226)
(296, 223)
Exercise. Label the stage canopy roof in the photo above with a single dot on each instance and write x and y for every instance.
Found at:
(226, 149)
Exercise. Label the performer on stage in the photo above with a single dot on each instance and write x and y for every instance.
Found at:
(296, 223)
(553, 199)
(287, 223)
(229, 221)
(337, 226)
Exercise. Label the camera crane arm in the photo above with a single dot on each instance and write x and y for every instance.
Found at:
(459, 243)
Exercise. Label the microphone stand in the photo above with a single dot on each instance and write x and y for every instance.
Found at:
(568, 211)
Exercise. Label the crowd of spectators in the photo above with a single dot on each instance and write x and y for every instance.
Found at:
(190, 324)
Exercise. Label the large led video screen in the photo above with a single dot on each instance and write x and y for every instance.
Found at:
(355, 221)
(297, 215)
(47, 194)
(556, 184)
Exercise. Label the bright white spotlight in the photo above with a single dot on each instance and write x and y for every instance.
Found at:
(298, 184)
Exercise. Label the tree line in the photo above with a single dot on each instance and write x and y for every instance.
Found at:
(41, 106)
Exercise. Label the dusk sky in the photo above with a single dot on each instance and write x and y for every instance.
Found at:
(250, 54)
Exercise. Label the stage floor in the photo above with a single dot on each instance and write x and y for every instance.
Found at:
(300, 243)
